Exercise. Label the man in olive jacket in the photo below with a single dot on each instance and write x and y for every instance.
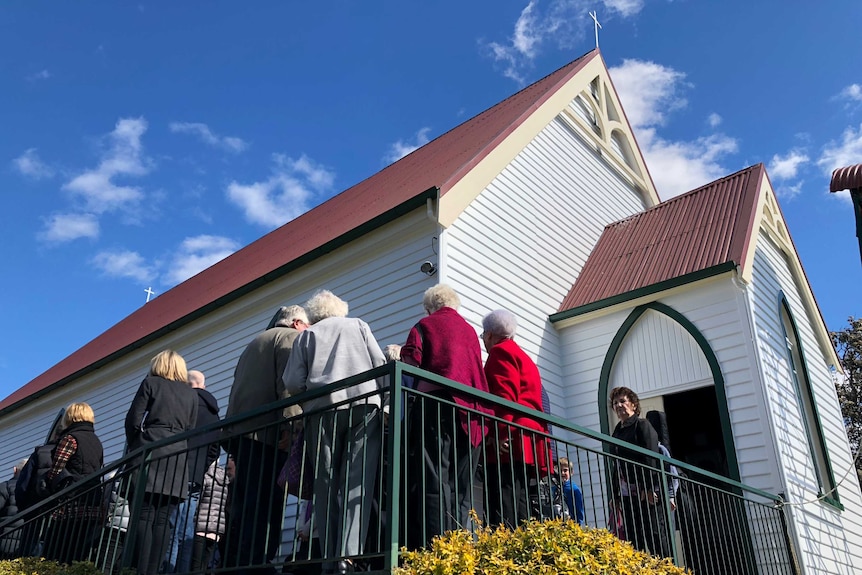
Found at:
(254, 532)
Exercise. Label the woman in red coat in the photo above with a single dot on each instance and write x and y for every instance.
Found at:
(518, 458)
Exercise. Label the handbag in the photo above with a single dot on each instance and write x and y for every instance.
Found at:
(291, 475)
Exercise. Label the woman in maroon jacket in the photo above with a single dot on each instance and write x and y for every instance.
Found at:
(443, 443)
(517, 457)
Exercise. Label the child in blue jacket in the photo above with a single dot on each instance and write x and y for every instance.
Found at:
(571, 492)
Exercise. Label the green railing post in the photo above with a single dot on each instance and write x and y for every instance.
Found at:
(393, 483)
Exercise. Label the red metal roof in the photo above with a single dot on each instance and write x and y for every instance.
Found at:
(438, 164)
(698, 230)
(849, 178)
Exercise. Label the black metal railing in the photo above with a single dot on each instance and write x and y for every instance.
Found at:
(349, 482)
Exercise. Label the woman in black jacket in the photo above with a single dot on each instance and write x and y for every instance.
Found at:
(164, 405)
(638, 487)
(78, 453)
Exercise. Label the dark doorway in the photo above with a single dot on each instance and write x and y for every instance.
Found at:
(695, 429)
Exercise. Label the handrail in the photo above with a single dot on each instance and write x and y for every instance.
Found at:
(395, 393)
(391, 369)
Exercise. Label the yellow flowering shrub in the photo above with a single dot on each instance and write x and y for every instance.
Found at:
(39, 566)
(536, 548)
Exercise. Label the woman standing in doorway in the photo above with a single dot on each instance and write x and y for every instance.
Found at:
(637, 482)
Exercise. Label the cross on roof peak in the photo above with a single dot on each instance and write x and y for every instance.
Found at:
(596, 25)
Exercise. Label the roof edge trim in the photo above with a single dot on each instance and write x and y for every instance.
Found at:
(644, 291)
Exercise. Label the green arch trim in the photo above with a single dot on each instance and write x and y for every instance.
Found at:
(717, 377)
(831, 488)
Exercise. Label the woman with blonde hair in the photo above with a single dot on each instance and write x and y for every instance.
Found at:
(78, 453)
(164, 405)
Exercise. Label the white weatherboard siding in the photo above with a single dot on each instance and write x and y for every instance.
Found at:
(522, 242)
(830, 540)
(659, 357)
(377, 274)
(582, 350)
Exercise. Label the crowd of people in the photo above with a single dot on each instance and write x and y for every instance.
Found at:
(199, 507)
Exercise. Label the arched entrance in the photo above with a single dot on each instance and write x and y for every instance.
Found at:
(661, 355)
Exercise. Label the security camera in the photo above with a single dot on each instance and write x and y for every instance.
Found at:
(428, 268)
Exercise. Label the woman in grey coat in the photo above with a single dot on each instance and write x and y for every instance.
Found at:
(345, 437)
(164, 405)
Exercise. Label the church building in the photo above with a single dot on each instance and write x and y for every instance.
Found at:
(542, 205)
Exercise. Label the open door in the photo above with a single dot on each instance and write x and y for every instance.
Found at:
(695, 429)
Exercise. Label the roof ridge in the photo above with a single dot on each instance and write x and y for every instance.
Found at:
(486, 111)
(696, 232)
(688, 194)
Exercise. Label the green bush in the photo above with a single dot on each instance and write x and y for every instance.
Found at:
(536, 548)
(39, 566)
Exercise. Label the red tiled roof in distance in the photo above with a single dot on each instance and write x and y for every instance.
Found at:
(849, 178)
(438, 164)
(686, 234)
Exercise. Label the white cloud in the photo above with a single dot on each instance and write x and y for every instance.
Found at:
(846, 152)
(648, 92)
(789, 192)
(40, 75)
(123, 158)
(561, 22)
(320, 177)
(714, 120)
(519, 52)
(401, 148)
(29, 164)
(624, 7)
(286, 194)
(196, 254)
(61, 228)
(123, 264)
(678, 167)
(528, 33)
(786, 167)
(203, 132)
(853, 93)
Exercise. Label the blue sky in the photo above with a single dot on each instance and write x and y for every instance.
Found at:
(142, 142)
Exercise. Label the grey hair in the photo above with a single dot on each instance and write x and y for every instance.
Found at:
(440, 296)
(286, 315)
(325, 304)
(22, 463)
(392, 352)
(500, 322)
(197, 379)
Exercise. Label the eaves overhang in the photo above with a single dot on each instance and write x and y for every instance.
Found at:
(640, 296)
